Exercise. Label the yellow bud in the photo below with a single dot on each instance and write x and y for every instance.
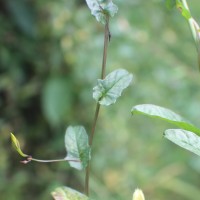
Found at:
(138, 195)
(16, 145)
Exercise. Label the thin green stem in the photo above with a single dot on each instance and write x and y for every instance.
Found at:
(94, 124)
(185, 4)
(29, 159)
(191, 22)
(106, 41)
(194, 27)
(103, 73)
(56, 160)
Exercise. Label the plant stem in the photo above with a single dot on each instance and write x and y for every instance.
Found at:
(185, 4)
(106, 41)
(30, 158)
(103, 73)
(56, 160)
(191, 22)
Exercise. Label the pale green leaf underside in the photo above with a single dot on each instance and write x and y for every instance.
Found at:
(165, 114)
(101, 8)
(185, 139)
(109, 89)
(76, 143)
(66, 193)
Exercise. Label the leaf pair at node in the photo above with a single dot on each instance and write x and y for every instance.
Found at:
(186, 137)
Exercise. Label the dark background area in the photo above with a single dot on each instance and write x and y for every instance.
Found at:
(50, 59)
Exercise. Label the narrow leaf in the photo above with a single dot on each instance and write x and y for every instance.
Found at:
(165, 114)
(66, 193)
(185, 139)
(101, 9)
(109, 89)
(16, 145)
(76, 143)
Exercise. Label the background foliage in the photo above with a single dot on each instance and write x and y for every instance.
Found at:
(50, 58)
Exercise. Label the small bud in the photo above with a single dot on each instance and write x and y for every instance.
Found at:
(16, 145)
(24, 161)
(138, 195)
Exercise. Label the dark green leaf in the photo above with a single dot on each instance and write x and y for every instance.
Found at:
(76, 143)
(109, 89)
(185, 139)
(66, 193)
(23, 15)
(165, 114)
(101, 8)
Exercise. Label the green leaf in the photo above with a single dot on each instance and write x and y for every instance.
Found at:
(56, 99)
(170, 4)
(184, 11)
(66, 193)
(23, 15)
(165, 114)
(16, 145)
(76, 143)
(109, 89)
(185, 139)
(101, 9)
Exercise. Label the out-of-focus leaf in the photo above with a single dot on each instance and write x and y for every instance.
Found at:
(16, 145)
(23, 16)
(101, 8)
(185, 139)
(76, 143)
(109, 89)
(184, 11)
(66, 193)
(56, 100)
(170, 3)
(165, 114)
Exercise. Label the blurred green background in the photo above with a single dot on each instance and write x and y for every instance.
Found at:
(50, 59)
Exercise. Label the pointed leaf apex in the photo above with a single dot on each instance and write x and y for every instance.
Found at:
(109, 89)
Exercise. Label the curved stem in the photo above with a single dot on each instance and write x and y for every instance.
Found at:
(103, 73)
